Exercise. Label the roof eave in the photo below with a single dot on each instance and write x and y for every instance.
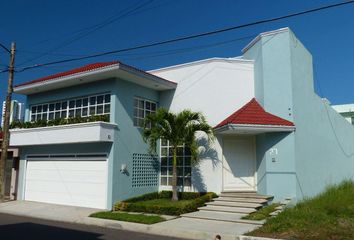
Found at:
(252, 127)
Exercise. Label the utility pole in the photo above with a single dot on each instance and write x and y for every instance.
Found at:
(5, 130)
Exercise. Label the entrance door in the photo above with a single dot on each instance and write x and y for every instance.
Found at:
(239, 165)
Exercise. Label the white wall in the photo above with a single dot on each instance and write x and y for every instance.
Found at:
(217, 88)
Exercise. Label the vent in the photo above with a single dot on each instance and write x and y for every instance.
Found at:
(145, 170)
(69, 157)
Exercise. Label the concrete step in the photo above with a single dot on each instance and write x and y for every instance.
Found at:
(246, 195)
(232, 191)
(237, 199)
(221, 216)
(234, 204)
(227, 209)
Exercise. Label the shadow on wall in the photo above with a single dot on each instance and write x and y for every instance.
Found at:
(205, 153)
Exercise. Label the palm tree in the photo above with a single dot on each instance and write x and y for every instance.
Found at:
(178, 128)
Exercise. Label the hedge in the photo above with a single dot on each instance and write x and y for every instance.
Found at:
(59, 121)
(135, 204)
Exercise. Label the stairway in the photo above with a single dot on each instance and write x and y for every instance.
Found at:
(231, 207)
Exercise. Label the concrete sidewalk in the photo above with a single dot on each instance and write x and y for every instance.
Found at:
(180, 227)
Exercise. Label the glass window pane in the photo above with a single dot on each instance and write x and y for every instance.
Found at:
(63, 114)
(34, 109)
(179, 161)
(33, 117)
(187, 181)
(163, 142)
(39, 108)
(140, 122)
(99, 109)
(107, 98)
(170, 171)
(44, 116)
(71, 113)
(163, 161)
(107, 108)
(141, 113)
(57, 106)
(78, 112)
(57, 115)
(180, 181)
(163, 171)
(147, 105)
(153, 107)
(100, 99)
(163, 151)
(187, 151)
(51, 116)
(141, 104)
(64, 105)
(72, 104)
(170, 181)
(164, 181)
(180, 151)
(51, 107)
(84, 111)
(45, 107)
(92, 110)
(78, 103)
(85, 102)
(180, 171)
(92, 100)
(39, 117)
(187, 171)
(187, 161)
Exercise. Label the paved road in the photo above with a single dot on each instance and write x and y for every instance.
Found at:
(16, 227)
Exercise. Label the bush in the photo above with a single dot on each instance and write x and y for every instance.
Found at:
(189, 202)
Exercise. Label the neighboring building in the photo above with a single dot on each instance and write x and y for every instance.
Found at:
(16, 111)
(274, 135)
(346, 110)
(11, 171)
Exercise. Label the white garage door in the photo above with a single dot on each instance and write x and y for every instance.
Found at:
(79, 181)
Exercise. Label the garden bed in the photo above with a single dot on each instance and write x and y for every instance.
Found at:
(128, 217)
(161, 203)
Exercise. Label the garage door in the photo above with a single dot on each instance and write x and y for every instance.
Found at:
(69, 180)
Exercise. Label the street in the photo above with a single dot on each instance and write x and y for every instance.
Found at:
(17, 227)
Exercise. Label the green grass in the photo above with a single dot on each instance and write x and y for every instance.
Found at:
(330, 215)
(128, 217)
(262, 213)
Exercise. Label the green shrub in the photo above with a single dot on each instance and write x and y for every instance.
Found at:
(160, 203)
(60, 121)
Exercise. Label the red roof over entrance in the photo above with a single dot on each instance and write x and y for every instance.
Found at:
(253, 114)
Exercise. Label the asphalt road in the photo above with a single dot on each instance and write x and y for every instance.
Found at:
(17, 227)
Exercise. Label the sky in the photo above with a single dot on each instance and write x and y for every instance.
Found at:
(46, 31)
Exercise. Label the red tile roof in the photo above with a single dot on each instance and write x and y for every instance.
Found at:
(84, 68)
(254, 114)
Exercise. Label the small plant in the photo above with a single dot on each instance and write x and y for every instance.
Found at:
(59, 121)
(127, 217)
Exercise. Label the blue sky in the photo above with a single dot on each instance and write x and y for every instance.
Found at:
(66, 29)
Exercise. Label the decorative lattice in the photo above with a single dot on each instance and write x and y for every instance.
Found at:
(145, 170)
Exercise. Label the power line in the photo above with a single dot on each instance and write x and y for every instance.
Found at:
(190, 36)
(94, 28)
(5, 48)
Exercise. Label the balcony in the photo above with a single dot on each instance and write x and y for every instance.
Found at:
(64, 134)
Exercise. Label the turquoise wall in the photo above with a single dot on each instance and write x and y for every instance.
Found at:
(128, 139)
(320, 151)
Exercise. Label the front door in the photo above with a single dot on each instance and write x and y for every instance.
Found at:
(239, 165)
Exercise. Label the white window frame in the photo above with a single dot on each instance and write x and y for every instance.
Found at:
(141, 110)
(64, 112)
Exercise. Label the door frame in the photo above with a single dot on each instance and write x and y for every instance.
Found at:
(253, 145)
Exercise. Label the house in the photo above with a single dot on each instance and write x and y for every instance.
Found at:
(11, 171)
(274, 135)
(346, 110)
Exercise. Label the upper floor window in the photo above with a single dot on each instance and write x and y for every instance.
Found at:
(142, 108)
(78, 107)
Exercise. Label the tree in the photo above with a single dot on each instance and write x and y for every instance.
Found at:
(178, 128)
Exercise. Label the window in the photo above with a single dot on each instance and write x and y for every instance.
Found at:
(78, 107)
(142, 108)
(184, 170)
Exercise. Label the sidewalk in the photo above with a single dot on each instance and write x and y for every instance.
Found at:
(180, 227)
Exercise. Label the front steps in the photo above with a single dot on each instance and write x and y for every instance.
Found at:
(231, 207)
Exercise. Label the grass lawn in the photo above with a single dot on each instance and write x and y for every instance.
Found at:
(262, 213)
(330, 215)
(128, 217)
